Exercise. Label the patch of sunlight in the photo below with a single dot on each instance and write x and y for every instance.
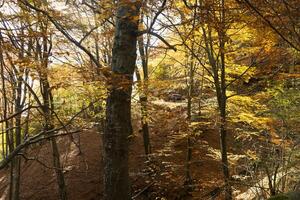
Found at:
(216, 155)
(169, 104)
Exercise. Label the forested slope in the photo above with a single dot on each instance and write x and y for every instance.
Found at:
(149, 99)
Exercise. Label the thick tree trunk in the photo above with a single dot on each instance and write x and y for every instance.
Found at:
(118, 108)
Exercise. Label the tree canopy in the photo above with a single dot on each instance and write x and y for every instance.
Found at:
(149, 99)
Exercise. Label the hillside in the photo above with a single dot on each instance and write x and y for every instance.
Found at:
(149, 99)
(160, 176)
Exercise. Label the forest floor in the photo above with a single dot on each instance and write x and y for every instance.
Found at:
(161, 176)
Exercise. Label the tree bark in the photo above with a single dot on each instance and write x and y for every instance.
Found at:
(220, 87)
(190, 84)
(144, 113)
(222, 106)
(43, 51)
(118, 107)
(144, 96)
(49, 126)
(16, 166)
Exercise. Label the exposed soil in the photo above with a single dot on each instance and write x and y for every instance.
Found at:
(161, 176)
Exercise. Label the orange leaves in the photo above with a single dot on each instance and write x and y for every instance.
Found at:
(25, 63)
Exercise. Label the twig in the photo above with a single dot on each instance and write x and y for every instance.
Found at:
(143, 190)
(37, 160)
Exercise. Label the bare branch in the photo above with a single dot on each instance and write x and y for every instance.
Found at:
(18, 113)
(159, 37)
(61, 29)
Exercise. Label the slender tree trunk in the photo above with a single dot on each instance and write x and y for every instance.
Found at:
(201, 93)
(3, 140)
(144, 97)
(188, 178)
(16, 166)
(145, 126)
(4, 114)
(222, 106)
(58, 170)
(17, 161)
(19, 102)
(144, 114)
(55, 152)
(48, 106)
(220, 86)
(190, 90)
(223, 144)
(118, 107)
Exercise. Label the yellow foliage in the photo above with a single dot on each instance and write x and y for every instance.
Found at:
(244, 109)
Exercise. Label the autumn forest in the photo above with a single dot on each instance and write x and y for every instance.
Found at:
(149, 100)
